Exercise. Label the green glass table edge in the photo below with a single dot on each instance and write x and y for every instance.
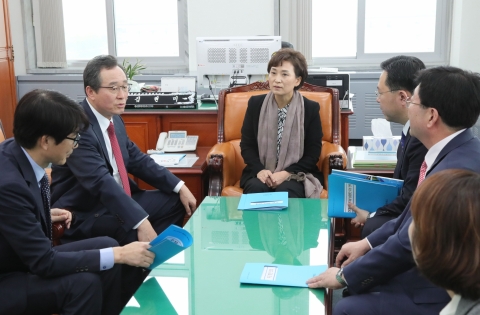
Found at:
(232, 216)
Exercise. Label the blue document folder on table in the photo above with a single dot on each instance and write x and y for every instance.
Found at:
(169, 243)
(284, 275)
(365, 191)
(264, 201)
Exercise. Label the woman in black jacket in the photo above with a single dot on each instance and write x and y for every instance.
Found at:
(282, 133)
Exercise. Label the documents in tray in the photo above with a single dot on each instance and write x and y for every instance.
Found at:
(364, 159)
(365, 191)
(284, 275)
(169, 243)
(264, 201)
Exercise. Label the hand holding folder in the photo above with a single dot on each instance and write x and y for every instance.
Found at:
(366, 191)
(169, 243)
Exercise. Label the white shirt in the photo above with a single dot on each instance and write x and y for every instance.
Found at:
(104, 123)
(406, 127)
(451, 307)
(432, 154)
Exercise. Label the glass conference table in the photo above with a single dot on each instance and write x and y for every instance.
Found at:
(205, 278)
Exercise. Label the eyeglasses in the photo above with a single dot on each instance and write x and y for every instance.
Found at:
(377, 93)
(115, 89)
(75, 140)
(409, 102)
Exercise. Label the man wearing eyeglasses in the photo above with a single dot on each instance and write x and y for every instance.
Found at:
(81, 277)
(395, 86)
(94, 183)
(379, 270)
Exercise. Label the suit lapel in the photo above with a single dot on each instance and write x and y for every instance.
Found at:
(121, 137)
(401, 156)
(453, 144)
(96, 128)
(31, 180)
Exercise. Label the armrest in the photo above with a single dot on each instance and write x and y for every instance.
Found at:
(333, 157)
(221, 167)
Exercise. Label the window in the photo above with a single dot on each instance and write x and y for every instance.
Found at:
(84, 41)
(149, 30)
(363, 33)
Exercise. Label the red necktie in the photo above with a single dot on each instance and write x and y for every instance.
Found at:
(423, 172)
(117, 154)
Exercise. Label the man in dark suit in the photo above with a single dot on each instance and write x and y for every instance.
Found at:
(379, 270)
(94, 183)
(35, 278)
(395, 86)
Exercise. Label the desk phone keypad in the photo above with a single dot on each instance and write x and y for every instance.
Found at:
(176, 142)
(191, 140)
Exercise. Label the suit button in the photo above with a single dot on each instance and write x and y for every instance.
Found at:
(96, 215)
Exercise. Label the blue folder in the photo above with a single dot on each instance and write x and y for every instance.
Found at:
(365, 191)
(284, 275)
(169, 243)
(264, 201)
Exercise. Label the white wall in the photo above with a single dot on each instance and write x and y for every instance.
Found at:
(465, 51)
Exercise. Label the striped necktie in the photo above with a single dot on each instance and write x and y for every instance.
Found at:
(423, 172)
(45, 190)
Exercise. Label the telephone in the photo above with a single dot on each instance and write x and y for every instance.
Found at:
(177, 141)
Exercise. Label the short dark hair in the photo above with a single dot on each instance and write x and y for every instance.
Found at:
(295, 58)
(91, 74)
(401, 71)
(446, 235)
(45, 112)
(453, 92)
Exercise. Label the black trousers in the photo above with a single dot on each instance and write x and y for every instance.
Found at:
(79, 293)
(374, 223)
(163, 210)
(295, 189)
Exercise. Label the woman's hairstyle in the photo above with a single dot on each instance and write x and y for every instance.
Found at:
(297, 60)
(446, 234)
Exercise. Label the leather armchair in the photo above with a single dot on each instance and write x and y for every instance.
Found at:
(224, 160)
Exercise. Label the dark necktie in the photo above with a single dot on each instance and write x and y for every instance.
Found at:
(45, 190)
(423, 172)
(402, 140)
(117, 154)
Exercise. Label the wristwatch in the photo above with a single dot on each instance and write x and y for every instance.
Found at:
(339, 277)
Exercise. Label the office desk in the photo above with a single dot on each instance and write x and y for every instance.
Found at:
(204, 279)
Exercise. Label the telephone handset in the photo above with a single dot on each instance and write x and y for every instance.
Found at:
(177, 141)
